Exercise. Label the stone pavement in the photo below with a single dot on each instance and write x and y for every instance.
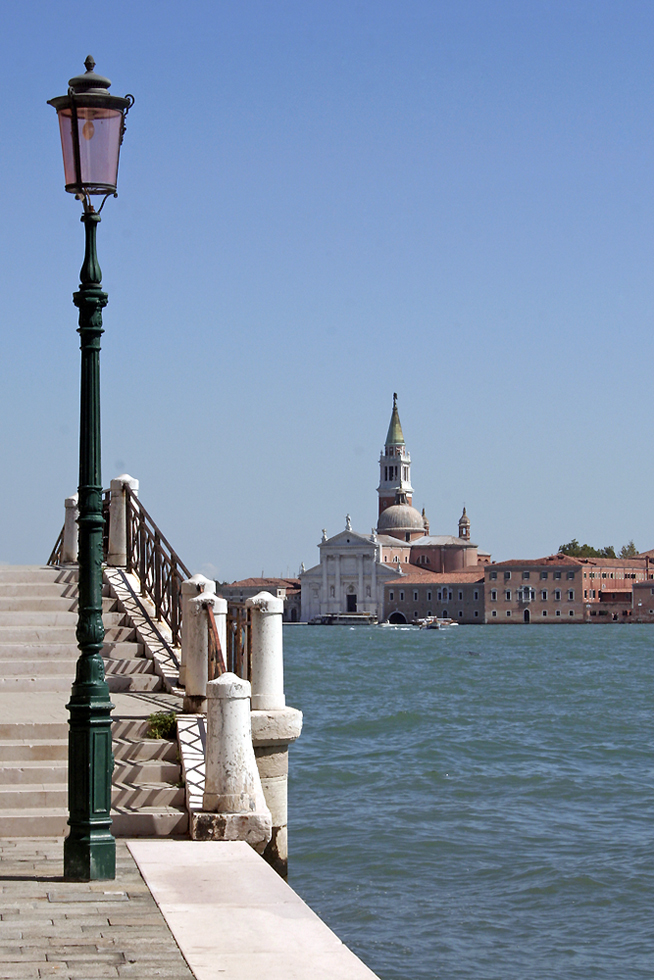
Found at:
(79, 930)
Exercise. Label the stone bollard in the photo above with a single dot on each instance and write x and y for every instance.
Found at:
(196, 646)
(190, 589)
(117, 550)
(267, 651)
(233, 806)
(69, 543)
(274, 726)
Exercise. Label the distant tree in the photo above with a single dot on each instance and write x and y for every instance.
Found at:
(628, 550)
(575, 550)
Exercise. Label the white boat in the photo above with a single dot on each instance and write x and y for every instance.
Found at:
(438, 624)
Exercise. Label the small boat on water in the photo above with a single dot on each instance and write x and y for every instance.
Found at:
(434, 623)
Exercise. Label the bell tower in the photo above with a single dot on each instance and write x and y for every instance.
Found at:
(394, 465)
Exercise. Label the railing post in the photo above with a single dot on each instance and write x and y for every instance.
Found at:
(234, 807)
(143, 560)
(157, 574)
(190, 589)
(196, 647)
(274, 726)
(69, 543)
(118, 519)
(267, 651)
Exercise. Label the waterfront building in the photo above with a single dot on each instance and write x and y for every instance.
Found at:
(355, 569)
(287, 589)
(421, 593)
(559, 588)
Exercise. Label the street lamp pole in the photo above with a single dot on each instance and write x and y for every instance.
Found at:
(92, 124)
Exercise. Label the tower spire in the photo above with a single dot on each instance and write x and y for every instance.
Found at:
(395, 436)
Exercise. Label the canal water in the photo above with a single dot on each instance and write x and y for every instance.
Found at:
(477, 803)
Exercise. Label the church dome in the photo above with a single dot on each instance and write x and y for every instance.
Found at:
(400, 517)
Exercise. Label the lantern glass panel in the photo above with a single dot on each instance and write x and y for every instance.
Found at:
(99, 147)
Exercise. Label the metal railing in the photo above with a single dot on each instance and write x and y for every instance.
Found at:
(239, 639)
(160, 573)
(152, 559)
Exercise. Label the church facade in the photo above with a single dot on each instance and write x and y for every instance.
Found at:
(355, 567)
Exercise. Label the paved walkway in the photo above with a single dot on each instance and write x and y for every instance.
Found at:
(77, 930)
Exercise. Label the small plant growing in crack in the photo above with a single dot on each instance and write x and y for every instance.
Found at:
(162, 724)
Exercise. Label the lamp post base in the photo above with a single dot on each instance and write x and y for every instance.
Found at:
(90, 857)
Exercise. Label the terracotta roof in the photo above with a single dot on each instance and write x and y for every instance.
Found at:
(277, 583)
(420, 576)
(550, 560)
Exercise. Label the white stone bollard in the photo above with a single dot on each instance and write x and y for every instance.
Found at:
(190, 589)
(69, 543)
(196, 644)
(117, 551)
(232, 783)
(267, 652)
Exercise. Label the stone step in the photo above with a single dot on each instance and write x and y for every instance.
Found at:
(132, 728)
(142, 772)
(33, 796)
(28, 730)
(141, 749)
(131, 665)
(149, 822)
(52, 684)
(28, 773)
(118, 683)
(45, 604)
(65, 651)
(37, 749)
(49, 667)
(119, 634)
(34, 822)
(36, 589)
(37, 573)
(127, 649)
(147, 795)
(37, 619)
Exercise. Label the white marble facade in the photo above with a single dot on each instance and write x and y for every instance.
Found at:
(349, 578)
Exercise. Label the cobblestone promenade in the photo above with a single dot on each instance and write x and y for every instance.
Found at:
(77, 930)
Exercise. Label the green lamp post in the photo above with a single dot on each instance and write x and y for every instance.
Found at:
(92, 124)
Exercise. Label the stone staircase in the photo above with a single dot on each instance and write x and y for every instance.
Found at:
(38, 653)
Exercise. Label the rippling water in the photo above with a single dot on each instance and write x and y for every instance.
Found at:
(477, 802)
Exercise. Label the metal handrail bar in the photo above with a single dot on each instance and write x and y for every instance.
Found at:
(239, 640)
(216, 658)
(151, 557)
(55, 556)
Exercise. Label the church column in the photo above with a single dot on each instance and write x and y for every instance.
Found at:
(337, 582)
(361, 596)
(324, 607)
(373, 587)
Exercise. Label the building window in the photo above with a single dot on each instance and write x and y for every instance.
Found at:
(476, 594)
(439, 595)
(557, 594)
(494, 613)
(493, 575)
(543, 574)
(557, 574)
(460, 613)
(429, 597)
(585, 593)
(543, 595)
(493, 595)
(385, 557)
(450, 595)
(391, 596)
(401, 596)
(507, 576)
(415, 613)
(570, 575)
(429, 612)
(460, 596)
(571, 613)
(476, 613)
(507, 595)
(331, 590)
(571, 594)
(508, 614)
(544, 612)
(525, 575)
(445, 614)
(415, 596)
(558, 612)
(406, 557)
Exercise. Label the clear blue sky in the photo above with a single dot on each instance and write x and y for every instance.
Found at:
(322, 203)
